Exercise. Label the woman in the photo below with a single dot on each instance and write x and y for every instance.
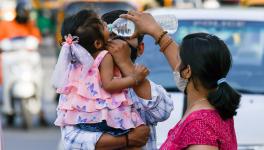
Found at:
(200, 66)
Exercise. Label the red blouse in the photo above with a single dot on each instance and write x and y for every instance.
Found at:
(202, 127)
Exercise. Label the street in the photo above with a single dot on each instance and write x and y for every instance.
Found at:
(35, 139)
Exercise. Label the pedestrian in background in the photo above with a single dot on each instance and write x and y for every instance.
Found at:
(21, 25)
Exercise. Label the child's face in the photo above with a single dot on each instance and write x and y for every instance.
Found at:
(106, 32)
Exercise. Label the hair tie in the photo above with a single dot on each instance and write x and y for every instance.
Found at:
(222, 80)
(69, 39)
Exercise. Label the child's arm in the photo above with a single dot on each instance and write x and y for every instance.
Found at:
(112, 84)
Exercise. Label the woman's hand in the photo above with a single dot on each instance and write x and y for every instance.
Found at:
(140, 73)
(145, 23)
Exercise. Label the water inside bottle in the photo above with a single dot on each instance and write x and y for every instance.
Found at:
(124, 28)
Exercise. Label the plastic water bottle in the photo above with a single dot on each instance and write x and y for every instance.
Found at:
(126, 28)
(122, 27)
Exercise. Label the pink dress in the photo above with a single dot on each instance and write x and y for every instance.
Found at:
(85, 101)
(202, 127)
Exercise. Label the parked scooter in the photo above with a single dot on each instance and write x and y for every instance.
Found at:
(22, 79)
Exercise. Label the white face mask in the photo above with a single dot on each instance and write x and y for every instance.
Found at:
(181, 83)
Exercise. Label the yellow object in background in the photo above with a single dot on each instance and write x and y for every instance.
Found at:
(168, 3)
(252, 2)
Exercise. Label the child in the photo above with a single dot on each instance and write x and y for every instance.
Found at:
(92, 90)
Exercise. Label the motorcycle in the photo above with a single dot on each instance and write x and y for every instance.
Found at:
(22, 79)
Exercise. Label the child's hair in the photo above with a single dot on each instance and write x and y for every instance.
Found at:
(87, 26)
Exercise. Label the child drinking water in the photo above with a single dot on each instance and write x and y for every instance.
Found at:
(92, 90)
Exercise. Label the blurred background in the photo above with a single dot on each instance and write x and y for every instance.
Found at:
(30, 44)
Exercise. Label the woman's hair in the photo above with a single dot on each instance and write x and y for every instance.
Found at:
(210, 61)
(87, 26)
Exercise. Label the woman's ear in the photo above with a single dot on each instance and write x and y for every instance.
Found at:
(98, 44)
(140, 50)
(187, 72)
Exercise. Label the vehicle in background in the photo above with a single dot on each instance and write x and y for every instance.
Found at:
(252, 2)
(22, 79)
(243, 32)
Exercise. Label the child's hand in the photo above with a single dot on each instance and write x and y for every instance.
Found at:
(140, 73)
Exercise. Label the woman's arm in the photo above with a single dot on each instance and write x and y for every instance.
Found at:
(112, 84)
(146, 24)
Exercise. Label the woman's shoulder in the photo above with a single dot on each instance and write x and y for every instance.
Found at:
(208, 120)
(195, 129)
(202, 127)
(204, 117)
(204, 114)
(208, 117)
